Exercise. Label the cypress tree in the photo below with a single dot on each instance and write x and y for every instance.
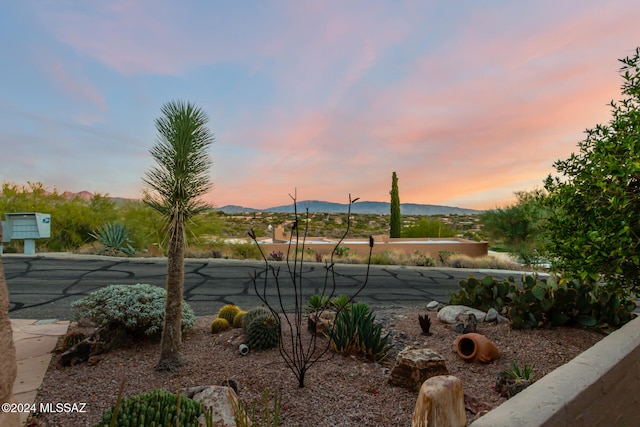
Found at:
(396, 219)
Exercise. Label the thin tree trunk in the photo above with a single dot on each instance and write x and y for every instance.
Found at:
(8, 358)
(170, 357)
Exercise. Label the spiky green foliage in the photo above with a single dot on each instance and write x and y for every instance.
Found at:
(263, 332)
(115, 238)
(316, 303)
(341, 302)
(219, 325)
(138, 308)
(524, 374)
(228, 312)
(246, 416)
(238, 319)
(252, 314)
(155, 408)
(396, 218)
(355, 333)
(175, 187)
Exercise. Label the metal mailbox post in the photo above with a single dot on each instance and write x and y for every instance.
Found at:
(27, 226)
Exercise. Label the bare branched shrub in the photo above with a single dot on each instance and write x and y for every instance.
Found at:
(298, 352)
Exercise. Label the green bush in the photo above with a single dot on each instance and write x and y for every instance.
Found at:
(539, 303)
(156, 408)
(139, 308)
(355, 333)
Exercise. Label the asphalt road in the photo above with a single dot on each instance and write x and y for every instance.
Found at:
(43, 286)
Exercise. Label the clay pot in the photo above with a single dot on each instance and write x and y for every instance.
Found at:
(474, 347)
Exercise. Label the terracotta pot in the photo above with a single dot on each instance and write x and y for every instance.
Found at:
(474, 347)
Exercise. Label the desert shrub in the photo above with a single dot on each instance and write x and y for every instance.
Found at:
(383, 258)
(139, 309)
(245, 250)
(489, 262)
(421, 260)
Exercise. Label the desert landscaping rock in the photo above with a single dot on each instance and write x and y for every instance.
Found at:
(449, 313)
(414, 367)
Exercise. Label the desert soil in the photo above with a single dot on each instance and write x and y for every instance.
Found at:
(339, 391)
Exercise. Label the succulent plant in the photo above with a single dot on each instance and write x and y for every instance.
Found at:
(263, 332)
(425, 324)
(156, 408)
(228, 312)
(72, 338)
(219, 325)
(238, 319)
(252, 314)
(355, 333)
(317, 303)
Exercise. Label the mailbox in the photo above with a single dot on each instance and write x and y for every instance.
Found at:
(27, 226)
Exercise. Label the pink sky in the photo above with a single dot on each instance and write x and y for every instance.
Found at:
(467, 102)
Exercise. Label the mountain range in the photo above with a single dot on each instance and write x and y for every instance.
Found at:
(358, 207)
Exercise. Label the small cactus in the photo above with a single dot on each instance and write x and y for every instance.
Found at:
(219, 325)
(263, 332)
(252, 314)
(157, 407)
(238, 319)
(71, 339)
(228, 312)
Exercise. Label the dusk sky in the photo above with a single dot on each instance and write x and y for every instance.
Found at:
(468, 101)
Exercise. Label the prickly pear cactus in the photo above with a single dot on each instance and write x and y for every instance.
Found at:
(156, 408)
(228, 312)
(252, 314)
(263, 332)
(219, 325)
(238, 318)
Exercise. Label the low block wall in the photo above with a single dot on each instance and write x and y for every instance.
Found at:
(600, 387)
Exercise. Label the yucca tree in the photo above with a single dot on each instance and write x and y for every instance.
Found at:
(176, 184)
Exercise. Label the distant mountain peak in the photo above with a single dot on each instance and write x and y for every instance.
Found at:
(365, 207)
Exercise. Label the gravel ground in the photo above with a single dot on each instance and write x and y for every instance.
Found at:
(340, 391)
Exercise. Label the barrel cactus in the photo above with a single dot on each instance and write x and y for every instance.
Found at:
(263, 332)
(156, 408)
(228, 312)
(219, 325)
(238, 318)
(252, 314)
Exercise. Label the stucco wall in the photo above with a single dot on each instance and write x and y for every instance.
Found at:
(600, 387)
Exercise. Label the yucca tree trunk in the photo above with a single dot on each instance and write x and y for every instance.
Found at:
(8, 353)
(170, 357)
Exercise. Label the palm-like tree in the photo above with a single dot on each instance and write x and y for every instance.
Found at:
(176, 184)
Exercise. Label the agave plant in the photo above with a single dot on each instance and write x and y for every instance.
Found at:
(115, 237)
(355, 333)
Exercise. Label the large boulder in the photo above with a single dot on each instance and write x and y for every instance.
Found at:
(415, 366)
(440, 403)
(449, 314)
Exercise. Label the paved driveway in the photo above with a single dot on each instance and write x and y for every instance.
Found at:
(43, 286)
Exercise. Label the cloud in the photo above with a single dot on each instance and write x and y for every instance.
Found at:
(76, 87)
